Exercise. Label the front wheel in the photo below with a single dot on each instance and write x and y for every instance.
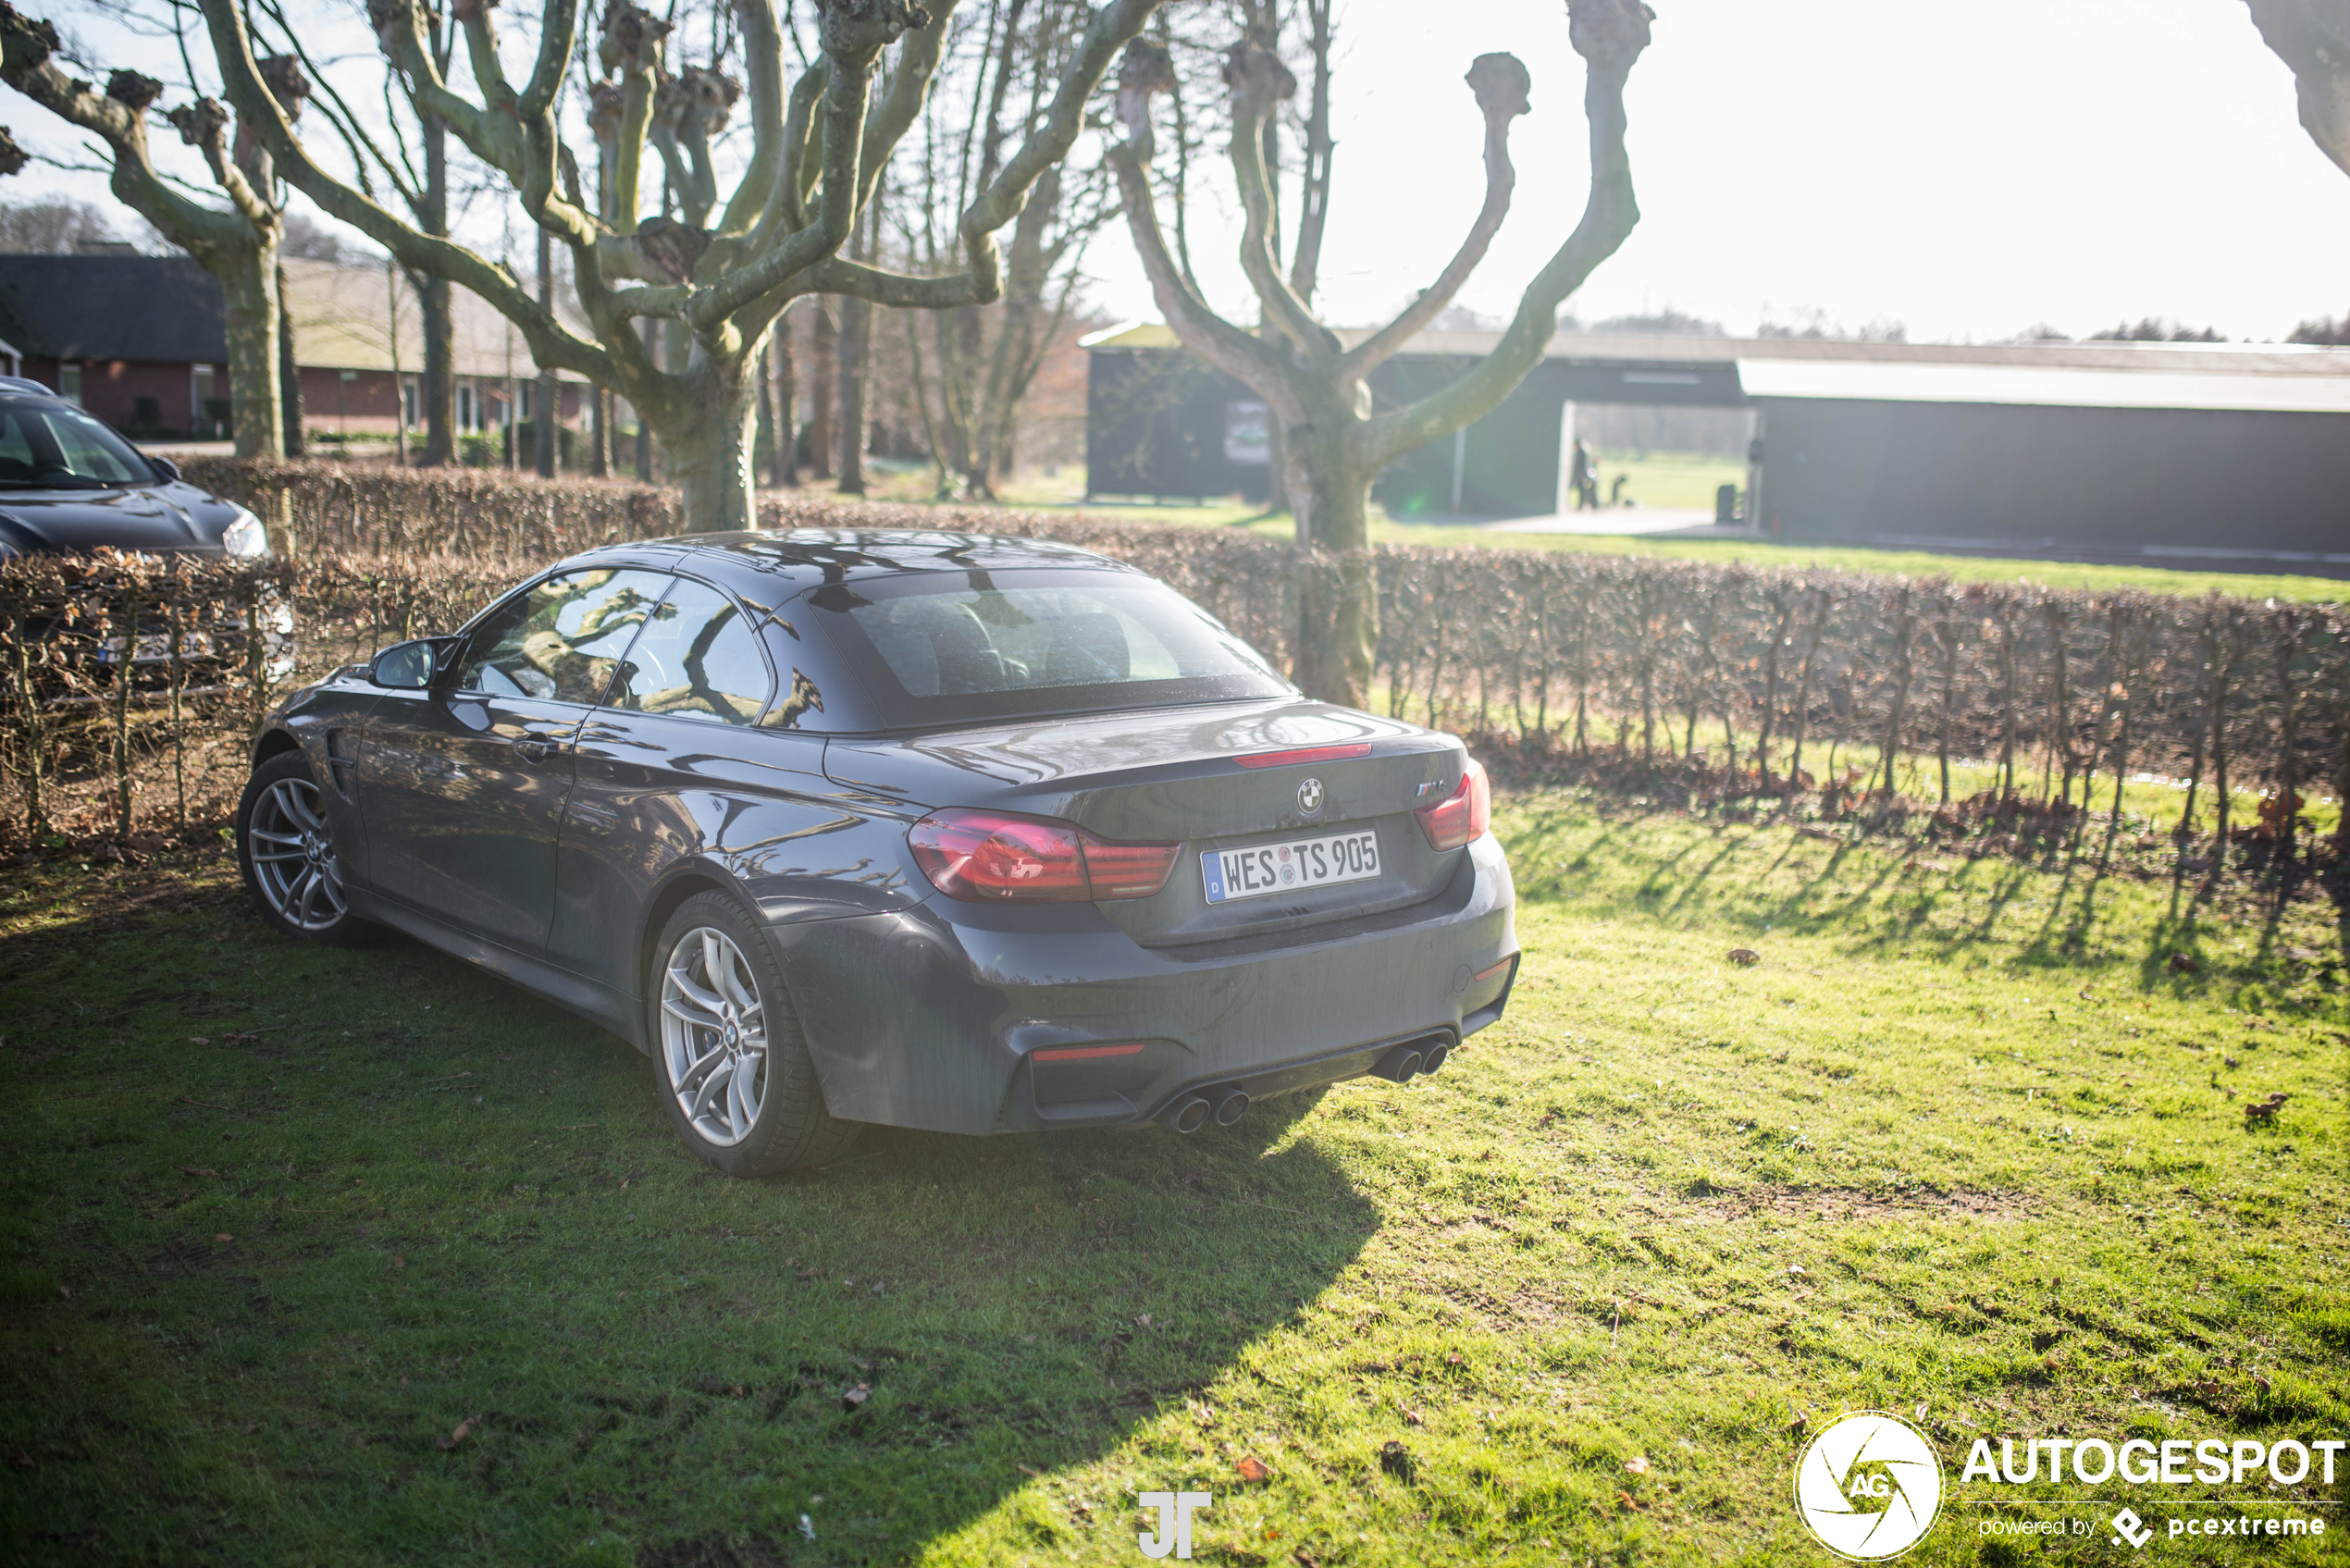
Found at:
(288, 855)
(734, 1073)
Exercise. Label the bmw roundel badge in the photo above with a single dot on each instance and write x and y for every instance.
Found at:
(1309, 796)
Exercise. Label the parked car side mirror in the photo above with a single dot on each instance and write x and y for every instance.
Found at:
(164, 468)
(410, 666)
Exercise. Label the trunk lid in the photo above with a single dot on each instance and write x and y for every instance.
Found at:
(1176, 775)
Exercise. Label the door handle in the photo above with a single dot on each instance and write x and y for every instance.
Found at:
(535, 748)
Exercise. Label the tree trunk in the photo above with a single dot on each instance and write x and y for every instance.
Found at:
(289, 370)
(600, 431)
(820, 379)
(854, 315)
(435, 307)
(707, 450)
(1338, 609)
(547, 426)
(248, 286)
(785, 458)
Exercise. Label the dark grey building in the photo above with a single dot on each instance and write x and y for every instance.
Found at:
(2160, 452)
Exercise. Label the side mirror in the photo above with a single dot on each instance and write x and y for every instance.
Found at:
(409, 666)
(164, 468)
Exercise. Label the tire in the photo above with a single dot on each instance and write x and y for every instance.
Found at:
(728, 1058)
(290, 864)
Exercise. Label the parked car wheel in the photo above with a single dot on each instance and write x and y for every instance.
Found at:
(734, 1072)
(288, 855)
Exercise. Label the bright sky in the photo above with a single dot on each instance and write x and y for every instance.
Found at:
(1967, 170)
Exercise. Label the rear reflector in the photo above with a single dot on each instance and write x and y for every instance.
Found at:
(1082, 1053)
(1497, 968)
(1304, 754)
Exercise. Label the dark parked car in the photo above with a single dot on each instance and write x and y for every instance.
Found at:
(932, 831)
(69, 483)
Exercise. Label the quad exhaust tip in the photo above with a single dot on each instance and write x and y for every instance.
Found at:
(1403, 1063)
(1224, 1106)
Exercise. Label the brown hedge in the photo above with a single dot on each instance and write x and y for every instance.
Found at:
(1753, 670)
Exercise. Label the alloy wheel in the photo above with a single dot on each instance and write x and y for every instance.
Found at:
(293, 859)
(713, 1036)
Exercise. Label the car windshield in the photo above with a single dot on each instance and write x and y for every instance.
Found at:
(51, 446)
(943, 647)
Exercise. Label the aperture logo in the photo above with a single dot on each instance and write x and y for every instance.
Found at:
(1869, 1486)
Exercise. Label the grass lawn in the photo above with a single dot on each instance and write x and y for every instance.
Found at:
(283, 1222)
(1658, 479)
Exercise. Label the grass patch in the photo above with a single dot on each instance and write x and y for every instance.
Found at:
(281, 1220)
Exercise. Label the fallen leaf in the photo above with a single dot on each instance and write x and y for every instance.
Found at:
(398, 1260)
(2266, 1387)
(64, 1294)
(224, 1235)
(1795, 1268)
(1413, 1416)
(1638, 1465)
(2183, 964)
(1032, 1474)
(198, 1040)
(856, 1397)
(196, 1170)
(2207, 1388)
(1626, 1499)
(1143, 1320)
(1745, 957)
(1253, 1468)
(808, 1274)
(457, 1434)
(736, 1390)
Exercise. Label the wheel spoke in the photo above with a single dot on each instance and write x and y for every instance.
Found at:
(279, 854)
(306, 893)
(267, 837)
(707, 1001)
(717, 1080)
(742, 1107)
(299, 808)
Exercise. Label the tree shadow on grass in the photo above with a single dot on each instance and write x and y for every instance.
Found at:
(477, 1303)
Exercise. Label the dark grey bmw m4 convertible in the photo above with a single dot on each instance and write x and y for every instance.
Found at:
(934, 830)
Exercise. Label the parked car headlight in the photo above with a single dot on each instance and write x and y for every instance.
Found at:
(245, 536)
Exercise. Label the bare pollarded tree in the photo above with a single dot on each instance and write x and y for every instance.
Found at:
(720, 272)
(237, 244)
(1313, 381)
(2313, 37)
(973, 378)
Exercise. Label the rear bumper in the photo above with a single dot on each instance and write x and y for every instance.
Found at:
(934, 1018)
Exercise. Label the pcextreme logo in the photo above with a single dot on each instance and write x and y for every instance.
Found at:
(1869, 1486)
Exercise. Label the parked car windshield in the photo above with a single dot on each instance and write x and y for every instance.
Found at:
(946, 646)
(51, 446)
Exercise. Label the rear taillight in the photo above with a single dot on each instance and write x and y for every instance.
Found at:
(994, 856)
(1462, 816)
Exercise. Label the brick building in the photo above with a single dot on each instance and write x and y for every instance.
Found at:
(140, 341)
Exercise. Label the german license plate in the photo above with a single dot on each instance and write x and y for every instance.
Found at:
(1285, 867)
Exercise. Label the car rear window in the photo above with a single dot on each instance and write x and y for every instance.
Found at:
(945, 647)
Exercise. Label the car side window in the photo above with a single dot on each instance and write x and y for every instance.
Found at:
(560, 640)
(696, 658)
